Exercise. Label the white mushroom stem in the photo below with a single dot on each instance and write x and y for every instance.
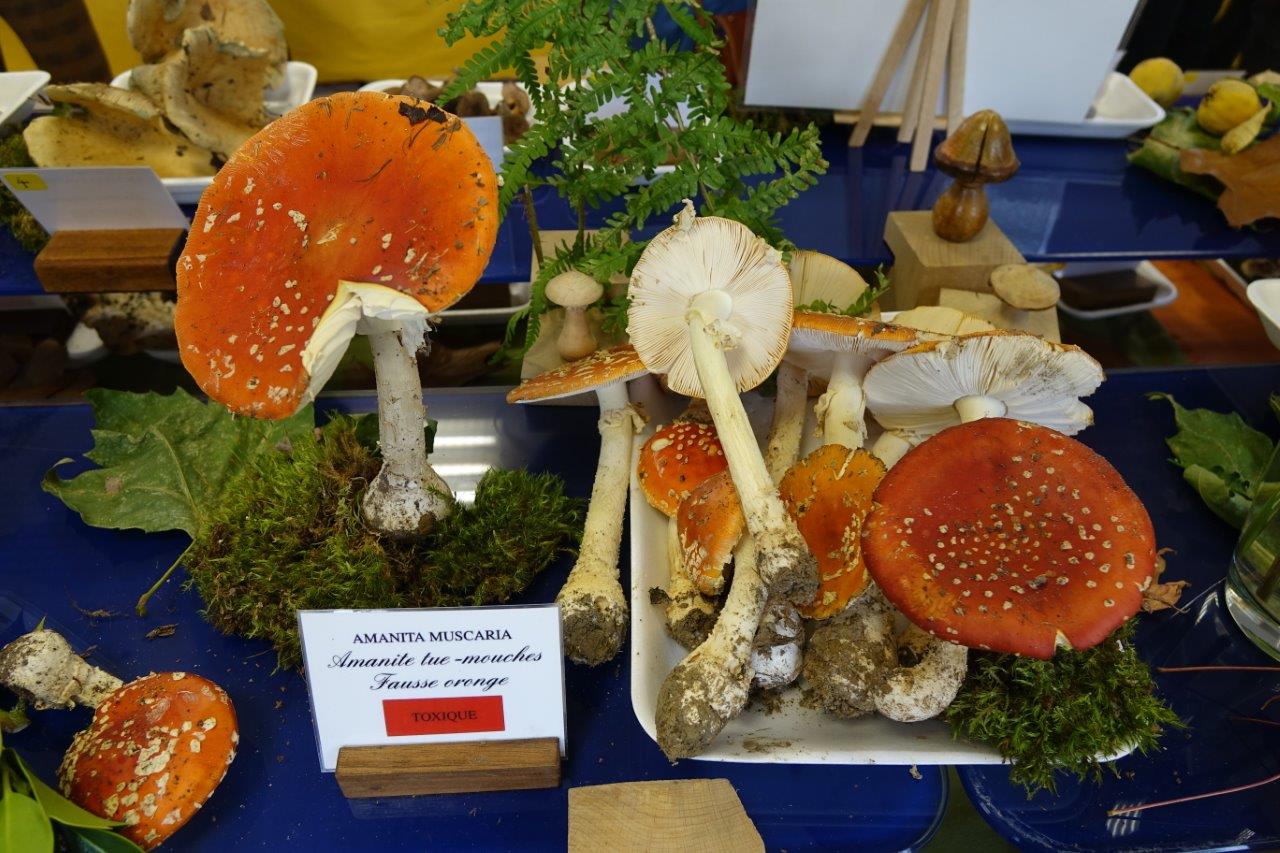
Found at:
(976, 407)
(892, 445)
(927, 683)
(408, 496)
(593, 608)
(689, 613)
(575, 341)
(787, 428)
(42, 668)
(710, 686)
(842, 409)
(784, 563)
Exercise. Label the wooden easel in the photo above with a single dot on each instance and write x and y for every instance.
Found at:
(946, 24)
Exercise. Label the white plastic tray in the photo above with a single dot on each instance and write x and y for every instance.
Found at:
(1264, 295)
(1166, 290)
(17, 88)
(1120, 108)
(297, 88)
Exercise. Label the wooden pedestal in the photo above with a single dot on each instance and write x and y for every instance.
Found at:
(109, 261)
(676, 816)
(448, 768)
(924, 263)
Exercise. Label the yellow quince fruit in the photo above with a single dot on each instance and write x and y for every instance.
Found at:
(1228, 103)
(1160, 78)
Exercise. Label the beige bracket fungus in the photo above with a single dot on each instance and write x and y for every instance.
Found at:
(156, 27)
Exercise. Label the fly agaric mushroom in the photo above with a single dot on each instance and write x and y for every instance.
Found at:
(1008, 536)
(675, 459)
(709, 523)
(593, 608)
(359, 212)
(575, 292)
(925, 681)
(112, 127)
(156, 749)
(212, 90)
(711, 310)
(842, 348)
(979, 152)
(1022, 288)
(156, 27)
(1000, 373)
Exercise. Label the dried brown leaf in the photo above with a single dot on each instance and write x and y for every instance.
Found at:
(1251, 179)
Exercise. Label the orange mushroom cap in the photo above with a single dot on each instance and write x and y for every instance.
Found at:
(828, 494)
(156, 749)
(362, 187)
(1004, 535)
(709, 522)
(675, 459)
(602, 367)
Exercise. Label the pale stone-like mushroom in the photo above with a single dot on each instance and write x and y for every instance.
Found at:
(575, 292)
(593, 607)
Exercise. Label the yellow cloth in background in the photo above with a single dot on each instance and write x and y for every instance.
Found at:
(344, 39)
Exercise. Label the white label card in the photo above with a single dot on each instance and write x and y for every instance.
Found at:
(105, 198)
(433, 676)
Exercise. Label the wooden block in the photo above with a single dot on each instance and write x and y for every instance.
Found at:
(109, 261)
(990, 308)
(680, 816)
(924, 263)
(448, 768)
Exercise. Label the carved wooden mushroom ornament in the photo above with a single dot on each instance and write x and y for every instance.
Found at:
(156, 749)
(356, 213)
(593, 608)
(979, 152)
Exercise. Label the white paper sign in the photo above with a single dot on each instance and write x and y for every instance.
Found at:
(433, 676)
(94, 199)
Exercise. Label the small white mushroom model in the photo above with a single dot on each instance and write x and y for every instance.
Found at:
(1022, 288)
(575, 292)
(711, 309)
(356, 213)
(593, 608)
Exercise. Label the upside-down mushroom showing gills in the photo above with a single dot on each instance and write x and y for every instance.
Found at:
(156, 749)
(711, 309)
(356, 213)
(593, 608)
(1004, 535)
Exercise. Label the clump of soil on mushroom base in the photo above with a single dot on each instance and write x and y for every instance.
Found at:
(289, 535)
(1063, 713)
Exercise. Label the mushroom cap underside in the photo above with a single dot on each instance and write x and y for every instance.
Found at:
(675, 459)
(1004, 535)
(1035, 380)
(380, 190)
(704, 255)
(602, 367)
(819, 278)
(154, 753)
(817, 336)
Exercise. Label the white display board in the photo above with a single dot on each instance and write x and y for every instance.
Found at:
(1030, 60)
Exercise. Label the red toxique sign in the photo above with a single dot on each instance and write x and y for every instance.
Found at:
(443, 716)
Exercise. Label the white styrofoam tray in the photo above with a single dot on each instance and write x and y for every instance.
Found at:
(297, 88)
(1119, 109)
(1166, 290)
(1264, 296)
(17, 89)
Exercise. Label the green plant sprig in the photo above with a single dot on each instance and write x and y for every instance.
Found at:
(598, 50)
(1062, 714)
(860, 306)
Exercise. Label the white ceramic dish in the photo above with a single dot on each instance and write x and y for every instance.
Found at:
(298, 86)
(17, 91)
(1119, 109)
(1264, 295)
(1166, 290)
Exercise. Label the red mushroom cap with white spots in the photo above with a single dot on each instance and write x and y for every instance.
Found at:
(709, 522)
(1003, 535)
(602, 367)
(153, 754)
(675, 459)
(360, 187)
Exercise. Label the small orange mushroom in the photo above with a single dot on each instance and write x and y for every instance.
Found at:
(709, 523)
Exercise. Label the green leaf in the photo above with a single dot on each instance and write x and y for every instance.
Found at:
(56, 806)
(83, 840)
(23, 825)
(1275, 405)
(164, 459)
(1270, 92)
(1231, 507)
(1222, 443)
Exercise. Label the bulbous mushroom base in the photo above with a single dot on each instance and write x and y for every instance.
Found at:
(42, 668)
(846, 662)
(697, 700)
(786, 566)
(927, 679)
(593, 623)
(406, 507)
(689, 616)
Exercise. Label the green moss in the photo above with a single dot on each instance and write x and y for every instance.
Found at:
(288, 536)
(1061, 714)
(29, 234)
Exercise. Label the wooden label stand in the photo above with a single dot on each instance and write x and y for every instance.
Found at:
(109, 261)
(448, 768)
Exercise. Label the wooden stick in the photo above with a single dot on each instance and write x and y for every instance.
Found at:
(911, 109)
(956, 66)
(941, 35)
(888, 67)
